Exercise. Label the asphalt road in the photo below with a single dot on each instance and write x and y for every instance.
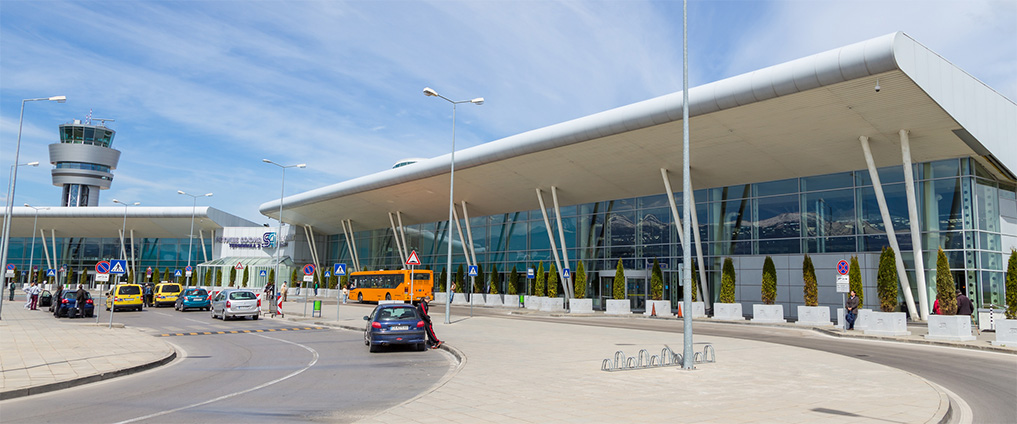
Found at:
(270, 377)
(987, 381)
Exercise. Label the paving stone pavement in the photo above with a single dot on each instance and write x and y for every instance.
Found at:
(39, 353)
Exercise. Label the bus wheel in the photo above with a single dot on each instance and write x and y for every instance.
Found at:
(388, 296)
(360, 298)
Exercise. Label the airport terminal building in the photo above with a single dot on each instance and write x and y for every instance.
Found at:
(879, 143)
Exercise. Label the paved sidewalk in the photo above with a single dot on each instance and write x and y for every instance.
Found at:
(527, 371)
(40, 353)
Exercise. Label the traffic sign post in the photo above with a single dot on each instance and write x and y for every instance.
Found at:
(187, 271)
(843, 282)
(308, 277)
(338, 270)
(412, 261)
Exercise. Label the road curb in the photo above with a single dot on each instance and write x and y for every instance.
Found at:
(34, 390)
(988, 348)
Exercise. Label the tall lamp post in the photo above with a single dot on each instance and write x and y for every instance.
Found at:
(35, 224)
(123, 253)
(190, 236)
(9, 207)
(451, 190)
(279, 235)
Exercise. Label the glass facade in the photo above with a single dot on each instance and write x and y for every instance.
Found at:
(958, 210)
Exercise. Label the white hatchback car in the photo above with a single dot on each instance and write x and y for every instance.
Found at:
(231, 303)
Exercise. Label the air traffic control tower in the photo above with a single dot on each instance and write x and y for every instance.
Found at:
(84, 160)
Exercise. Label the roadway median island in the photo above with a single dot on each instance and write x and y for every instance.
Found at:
(39, 353)
(551, 372)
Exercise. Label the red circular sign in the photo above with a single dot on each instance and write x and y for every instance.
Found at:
(102, 267)
(843, 267)
(308, 269)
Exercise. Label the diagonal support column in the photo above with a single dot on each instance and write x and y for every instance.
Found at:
(351, 243)
(916, 234)
(45, 249)
(681, 236)
(550, 232)
(395, 237)
(134, 264)
(888, 224)
(704, 289)
(402, 234)
(469, 233)
(567, 282)
(462, 241)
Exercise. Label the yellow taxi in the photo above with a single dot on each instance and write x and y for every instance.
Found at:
(166, 294)
(125, 296)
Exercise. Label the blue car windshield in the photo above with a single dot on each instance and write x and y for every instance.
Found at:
(397, 314)
(195, 292)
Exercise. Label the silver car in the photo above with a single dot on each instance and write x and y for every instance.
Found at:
(231, 303)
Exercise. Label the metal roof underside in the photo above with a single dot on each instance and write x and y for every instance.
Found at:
(795, 119)
(106, 221)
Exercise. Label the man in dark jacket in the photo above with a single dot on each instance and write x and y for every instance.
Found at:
(422, 309)
(54, 305)
(964, 304)
(79, 301)
(851, 307)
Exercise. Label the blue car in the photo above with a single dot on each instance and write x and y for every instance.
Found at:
(68, 306)
(394, 324)
(193, 298)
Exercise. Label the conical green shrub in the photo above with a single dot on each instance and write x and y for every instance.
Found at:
(811, 288)
(539, 286)
(887, 281)
(946, 290)
(768, 291)
(1011, 286)
(552, 281)
(855, 280)
(727, 282)
(618, 285)
(580, 281)
(656, 281)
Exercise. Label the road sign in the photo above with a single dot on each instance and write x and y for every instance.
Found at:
(339, 269)
(843, 284)
(10, 267)
(148, 271)
(413, 259)
(308, 269)
(328, 274)
(262, 273)
(567, 273)
(308, 278)
(239, 266)
(10, 271)
(473, 271)
(188, 268)
(51, 272)
(63, 268)
(101, 277)
(530, 273)
(177, 273)
(843, 267)
(118, 266)
(102, 267)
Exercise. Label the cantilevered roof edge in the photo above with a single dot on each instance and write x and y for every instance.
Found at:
(221, 218)
(859, 60)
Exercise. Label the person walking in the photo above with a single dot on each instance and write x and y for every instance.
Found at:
(269, 296)
(315, 289)
(79, 301)
(10, 294)
(33, 296)
(148, 295)
(346, 293)
(422, 309)
(54, 305)
(852, 310)
(966, 307)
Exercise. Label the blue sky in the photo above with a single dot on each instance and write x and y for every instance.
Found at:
(202, 91)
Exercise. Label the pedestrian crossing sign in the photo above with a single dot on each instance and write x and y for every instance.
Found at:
(51, 272)
(473, 271)
(177, 273)
(567, 273)
(118, 267)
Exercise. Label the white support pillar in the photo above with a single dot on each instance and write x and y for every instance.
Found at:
(888, 224)
(672, 204)
(469, 233)
(395, 237)
(550, 232)
(351, 243)
(134, 264)
(53, 245)
(45, 249)
(462, 241)
(309, 233)
(353, 240)
(201, 237)
(704, 289)
(567, 282)
(402, 234)
(916, 233)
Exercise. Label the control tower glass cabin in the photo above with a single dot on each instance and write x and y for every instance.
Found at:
(84, 160)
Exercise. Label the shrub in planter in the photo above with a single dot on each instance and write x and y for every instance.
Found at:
(580, 283)
(656, 282)
(552, 281)
(727, 282)
(460, 281)
(810, 288)
(695, 282)
(513, 277)
(618, 285)
(1011, 286)
(478, 281)
(768, 291)
(855, 280)
(946, 291)
(443, 279)
(539, 284)
(886, 280)
(493, 287)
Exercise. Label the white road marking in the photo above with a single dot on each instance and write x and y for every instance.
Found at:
(314, 360)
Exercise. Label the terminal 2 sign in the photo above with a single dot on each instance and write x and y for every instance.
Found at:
(266, 241)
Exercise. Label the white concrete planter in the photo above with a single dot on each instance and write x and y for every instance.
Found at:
(728, 312)
(581, 306)
(459, 299)
(510, 301)
(663, 308)
(477, 299)
(887, 324)
(814, 315)
(552, 304)
(618, 307)
(533, 302)
(439, 297)
(987, 318)
(950, 327)
(1006, 332)
(863, 319)
(698, 309)
(768, 314)
(493, 300)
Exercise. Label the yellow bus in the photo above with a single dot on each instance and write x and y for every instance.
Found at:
(372, 286)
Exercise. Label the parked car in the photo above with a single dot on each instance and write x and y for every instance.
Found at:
(394, 324)
(166, 294)
(45, 299)
(125, 296)
(193, 298)
(231, 303)
(68, 306)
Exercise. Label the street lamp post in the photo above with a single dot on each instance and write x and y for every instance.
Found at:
(190, 236)
(123, 255)
(451, 190)
(9, 207)
(279, 235)
(35, 224)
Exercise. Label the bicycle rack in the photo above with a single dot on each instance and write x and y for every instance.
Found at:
(667, 358)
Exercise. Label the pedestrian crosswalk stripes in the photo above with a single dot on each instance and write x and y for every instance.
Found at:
(266, 330)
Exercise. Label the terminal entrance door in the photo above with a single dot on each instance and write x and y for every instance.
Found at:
(636, 288)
